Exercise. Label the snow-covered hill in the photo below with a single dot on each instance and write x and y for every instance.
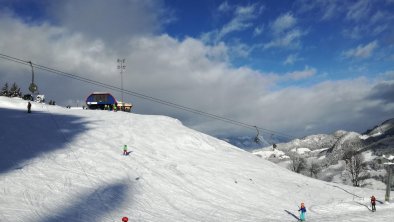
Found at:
(327, 150)
(60, 164)
(385, 128)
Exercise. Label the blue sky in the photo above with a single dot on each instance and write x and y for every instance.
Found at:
(341, 39)
(274, 58)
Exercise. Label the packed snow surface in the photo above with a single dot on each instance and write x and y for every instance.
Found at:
(301, 150)
(59, 164)
(267, 153)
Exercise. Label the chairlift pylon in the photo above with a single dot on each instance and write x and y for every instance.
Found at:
(33, 87)
(257, 139)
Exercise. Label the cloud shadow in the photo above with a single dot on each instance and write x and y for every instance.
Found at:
(95, 206)
(24, 136)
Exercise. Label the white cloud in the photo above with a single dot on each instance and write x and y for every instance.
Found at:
(361, 51)
(243, 18)
(283, 23)
(114, 21)
(376, 24)
(359, 10)
(186, 72)
(258, 31)
(388, 75)
(378, 16)
(362, 18)
(285, 33)
(322, 9)
(379, 29)
(330, 10)
(289, 39)
(237, 24)
(224, 7)
(355, 32)
(279, 78)
(239, 49)
(326, 104)
(298, 75)
(291, 59)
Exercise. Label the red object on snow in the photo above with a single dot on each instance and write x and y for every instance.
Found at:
(373, 199)
(125, 219)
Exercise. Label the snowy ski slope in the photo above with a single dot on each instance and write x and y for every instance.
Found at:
(60, 164)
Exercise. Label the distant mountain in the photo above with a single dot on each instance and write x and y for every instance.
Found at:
(327, 150)
(387, 128)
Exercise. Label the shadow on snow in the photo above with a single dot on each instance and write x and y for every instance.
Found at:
(292, 214)
(365, 205)
(96, 206)
(25, 136)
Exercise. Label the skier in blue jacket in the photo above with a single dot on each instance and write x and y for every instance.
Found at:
(302, 212)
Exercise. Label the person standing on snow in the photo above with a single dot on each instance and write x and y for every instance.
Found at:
(28, 107)
(125, 150)
(373, 203)
(302, 212)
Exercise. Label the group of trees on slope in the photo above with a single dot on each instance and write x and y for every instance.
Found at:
(356, 168)
(14, 91)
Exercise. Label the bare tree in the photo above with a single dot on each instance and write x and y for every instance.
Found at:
(354, 165)
(314, 168)
(297, 162)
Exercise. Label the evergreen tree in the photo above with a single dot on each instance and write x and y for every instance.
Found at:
(15, 91)
(4, 90)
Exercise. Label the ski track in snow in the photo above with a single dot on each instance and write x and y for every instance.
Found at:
(173, 173)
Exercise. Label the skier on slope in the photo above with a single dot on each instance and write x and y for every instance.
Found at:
(302, 212)
(373, 203)
(28, 107)
(125, 150)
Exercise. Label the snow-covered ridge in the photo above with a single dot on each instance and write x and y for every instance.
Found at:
(59, 164)
(327, 150)
(387, 127)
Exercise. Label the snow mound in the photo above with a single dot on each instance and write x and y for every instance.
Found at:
(301, 150)
(274, 153)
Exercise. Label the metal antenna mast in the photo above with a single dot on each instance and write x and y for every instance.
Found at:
(121, 67)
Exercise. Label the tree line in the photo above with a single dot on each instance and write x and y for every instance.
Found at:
(355, 166)
(13, 91)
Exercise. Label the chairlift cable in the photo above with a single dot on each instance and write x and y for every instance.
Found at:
(142, 96)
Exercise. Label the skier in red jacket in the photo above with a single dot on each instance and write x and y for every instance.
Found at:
(373, 203)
